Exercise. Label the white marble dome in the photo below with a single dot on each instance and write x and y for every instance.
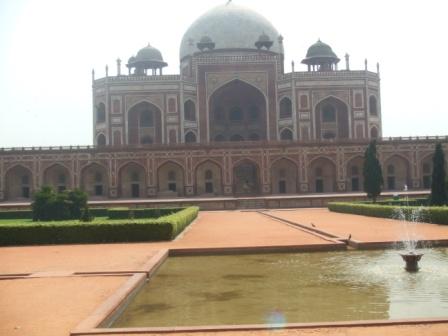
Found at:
(229, 26)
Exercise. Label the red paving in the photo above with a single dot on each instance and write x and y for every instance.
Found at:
(362, 228)
(56, 302)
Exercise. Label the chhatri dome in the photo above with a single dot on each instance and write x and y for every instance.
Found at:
(230, 27)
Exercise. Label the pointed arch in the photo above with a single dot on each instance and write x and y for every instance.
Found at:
(284, 176)
(237, 107)
(285, 108)
(95, 180)
(132, 180)
(189, 110)
(396, 172)
(101, 140)
(332, 118)
(246, 177)
(170, 179)
(18, 183)
(208, 175)
(286, 134)
(58, 177)
(144, 121)
(354, 173)
(190, 137)
(322, 175)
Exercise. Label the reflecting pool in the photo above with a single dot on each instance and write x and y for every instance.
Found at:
(290, 288)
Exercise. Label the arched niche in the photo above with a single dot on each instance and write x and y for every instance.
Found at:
(190, 137)
(332, 119)
(18, 183)
(208, 178)
(132, 181)
(57, 176)
(170, 179)
(246, 180)
(355, 177)
(144, 123)
(284, 177)
(95, 181)
(237, 108)
(286, 135)
(285, 108)
(396, 173)
(101, 140)
(322, 175)
(189, 111)
(101, 113)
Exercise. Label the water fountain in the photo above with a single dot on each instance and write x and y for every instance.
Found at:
(410, 257)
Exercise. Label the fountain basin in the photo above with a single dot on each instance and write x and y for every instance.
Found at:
(288, 288)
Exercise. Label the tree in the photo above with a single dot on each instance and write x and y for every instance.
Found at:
(373, 176)
(438, 184)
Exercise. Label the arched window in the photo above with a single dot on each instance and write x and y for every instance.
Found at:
(355, 170)
(286, 134)
(146, 140)
(146, 119)
(101, 140)
(285, 108)
(328, 113)
(190, 137)
(373, 106)
(219, 138)
(374, 133)
(236, 137)
(236, 114)
(101, 113)
(254, 137)
(189, 111)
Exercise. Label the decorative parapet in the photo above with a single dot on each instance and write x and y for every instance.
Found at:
(330, 75)
(230, 144)
(133, 79)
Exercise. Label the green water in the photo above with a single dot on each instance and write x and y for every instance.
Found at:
(290, 288)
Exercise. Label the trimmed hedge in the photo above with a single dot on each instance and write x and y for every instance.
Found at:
(98, 231)
(28, 214)
(126, 213)
(436, 215)
(16, 214)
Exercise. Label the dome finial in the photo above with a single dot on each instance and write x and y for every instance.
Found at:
(228, 2)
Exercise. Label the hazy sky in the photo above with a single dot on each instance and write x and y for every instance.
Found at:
(48, 48)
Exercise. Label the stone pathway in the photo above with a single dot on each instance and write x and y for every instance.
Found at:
(48, 290)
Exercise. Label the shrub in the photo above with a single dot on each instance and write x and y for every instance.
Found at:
(98, 231)
(49, 205)
(436, 215)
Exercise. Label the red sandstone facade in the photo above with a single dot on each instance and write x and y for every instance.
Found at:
(231, 123)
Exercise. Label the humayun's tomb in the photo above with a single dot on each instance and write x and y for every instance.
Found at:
(232, 123)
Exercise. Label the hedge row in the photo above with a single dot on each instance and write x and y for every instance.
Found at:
(126, 213)
(98, 231)
(401, 202)
(436, 215)
(28, 214)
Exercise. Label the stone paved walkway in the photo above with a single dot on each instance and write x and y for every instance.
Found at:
(53, 300)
